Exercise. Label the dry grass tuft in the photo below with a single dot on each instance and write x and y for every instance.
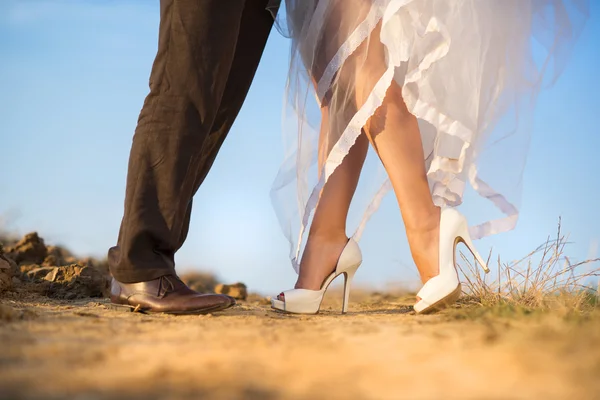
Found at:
(545, 279)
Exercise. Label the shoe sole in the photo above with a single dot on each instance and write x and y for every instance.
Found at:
(130, 308)
(193, 312)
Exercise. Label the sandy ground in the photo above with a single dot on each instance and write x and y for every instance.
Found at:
(83, 349)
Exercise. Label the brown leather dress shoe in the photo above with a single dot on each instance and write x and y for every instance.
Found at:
(167, 294)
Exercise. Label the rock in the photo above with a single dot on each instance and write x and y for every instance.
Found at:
(35, 272)
(51, 270)
(58, 257)
(4, 264)
(51, 275)
(200, 281)
(4, 261)
(26, 268)
(100, 265)
(5, 281)
(76, 281)
(70, 282)
(258, 299)
(31, 249)
(238, 290)
(54, 257)
(51, 261)
(71, 260)
(7, 270)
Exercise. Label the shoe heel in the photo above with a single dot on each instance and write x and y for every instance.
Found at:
(348, 276)
(466, 239)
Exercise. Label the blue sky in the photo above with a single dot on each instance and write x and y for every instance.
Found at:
(74, 74)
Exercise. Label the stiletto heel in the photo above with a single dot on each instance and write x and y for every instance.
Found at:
(348, 276)
(444, 289)
(305, 301)
(466, 239)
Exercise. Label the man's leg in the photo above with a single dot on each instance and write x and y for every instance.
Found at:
(256, 24)
(173, 146)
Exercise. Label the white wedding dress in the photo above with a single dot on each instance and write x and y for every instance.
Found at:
(470, 71)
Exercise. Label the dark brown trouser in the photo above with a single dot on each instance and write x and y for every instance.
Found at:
(208, 53)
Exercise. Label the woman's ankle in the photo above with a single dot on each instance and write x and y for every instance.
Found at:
(319, 258)
(326, 236)
(423, 238)
(422, 221)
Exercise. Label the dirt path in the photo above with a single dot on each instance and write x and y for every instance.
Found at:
(381, 350)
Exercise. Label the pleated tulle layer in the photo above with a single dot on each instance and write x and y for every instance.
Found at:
(470, 71)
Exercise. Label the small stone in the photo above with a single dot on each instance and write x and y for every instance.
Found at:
(51, 276)
(238, 290)
(35, 272)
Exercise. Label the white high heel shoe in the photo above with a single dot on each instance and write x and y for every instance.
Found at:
(305, 301)
(444, 289)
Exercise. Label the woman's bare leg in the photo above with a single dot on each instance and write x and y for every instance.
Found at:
(327, 234)
(394, 133)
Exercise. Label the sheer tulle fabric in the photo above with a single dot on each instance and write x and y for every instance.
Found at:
(470, 71)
